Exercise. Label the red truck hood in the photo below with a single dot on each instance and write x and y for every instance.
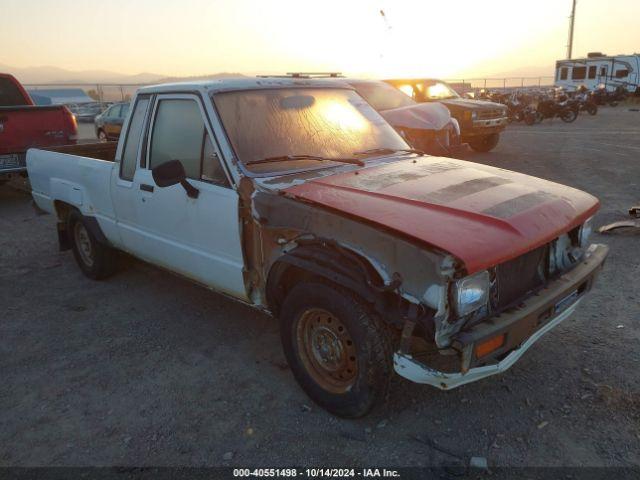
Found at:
(482, 215)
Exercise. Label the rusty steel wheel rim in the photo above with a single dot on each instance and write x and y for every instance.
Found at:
(85, 249)
(327, 350)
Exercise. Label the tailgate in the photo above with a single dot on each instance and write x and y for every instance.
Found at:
(25, 127)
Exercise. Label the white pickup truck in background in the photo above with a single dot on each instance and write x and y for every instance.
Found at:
(296, 197)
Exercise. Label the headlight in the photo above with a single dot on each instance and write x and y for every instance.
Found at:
(585, 232)
(471, 293)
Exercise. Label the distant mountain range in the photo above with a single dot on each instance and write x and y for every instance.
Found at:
(54, 75)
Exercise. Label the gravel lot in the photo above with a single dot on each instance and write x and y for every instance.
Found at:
(148, 369)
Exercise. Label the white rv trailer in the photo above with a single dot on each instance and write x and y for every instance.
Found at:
(597, 69)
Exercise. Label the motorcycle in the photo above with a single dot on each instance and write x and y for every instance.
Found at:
(549, 108)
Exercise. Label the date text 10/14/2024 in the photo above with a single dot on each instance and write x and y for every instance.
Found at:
(317, 472)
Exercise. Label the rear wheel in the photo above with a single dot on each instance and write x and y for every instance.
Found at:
(96, 261)
(338, 351)
(485, 143)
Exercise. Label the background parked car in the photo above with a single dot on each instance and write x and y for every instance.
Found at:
(480, 122)
(425, 126)
(88, 112)
(109, 123)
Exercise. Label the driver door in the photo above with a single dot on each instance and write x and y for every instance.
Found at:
(199, 237)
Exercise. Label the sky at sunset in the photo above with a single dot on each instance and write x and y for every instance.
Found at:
(423, 37)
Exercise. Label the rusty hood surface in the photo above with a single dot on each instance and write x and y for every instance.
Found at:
(480, 214)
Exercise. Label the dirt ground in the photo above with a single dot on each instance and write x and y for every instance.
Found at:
(148, 369)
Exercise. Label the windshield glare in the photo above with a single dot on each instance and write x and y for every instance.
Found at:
(439, 91)
(323, 122)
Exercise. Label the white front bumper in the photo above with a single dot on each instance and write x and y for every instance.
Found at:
(412, 370)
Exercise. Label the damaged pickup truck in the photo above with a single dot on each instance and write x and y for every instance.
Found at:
(296, 197)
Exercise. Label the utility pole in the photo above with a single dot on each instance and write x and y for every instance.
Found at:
(572, 21)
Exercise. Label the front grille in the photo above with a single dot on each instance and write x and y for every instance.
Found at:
(490, 114)
(520, 276)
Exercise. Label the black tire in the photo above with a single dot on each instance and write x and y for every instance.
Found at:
(569, 115)
(592, 109)
(486, 143)
(305, 344)
(97, 261)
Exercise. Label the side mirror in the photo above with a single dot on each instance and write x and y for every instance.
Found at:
(171, 173)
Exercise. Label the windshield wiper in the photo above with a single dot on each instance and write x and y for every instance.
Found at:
(285, 158)
(384, 151)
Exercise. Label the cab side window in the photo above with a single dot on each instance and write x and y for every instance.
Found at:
(132, 142)
(179, 133)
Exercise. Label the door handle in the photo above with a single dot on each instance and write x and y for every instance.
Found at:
(146, 188)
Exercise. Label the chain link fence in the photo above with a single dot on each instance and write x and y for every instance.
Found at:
(464, 85)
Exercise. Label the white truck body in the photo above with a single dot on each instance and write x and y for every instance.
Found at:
(259, 189)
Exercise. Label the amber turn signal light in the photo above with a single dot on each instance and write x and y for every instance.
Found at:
(491, 345)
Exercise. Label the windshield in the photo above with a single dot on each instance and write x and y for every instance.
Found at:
(425, 90)
(324, 123)
(382, 96)
(437, 90)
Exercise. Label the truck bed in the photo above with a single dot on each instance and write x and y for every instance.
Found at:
(60, 174)
(100, 151)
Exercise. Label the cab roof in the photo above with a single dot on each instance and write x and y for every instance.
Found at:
(234, 84)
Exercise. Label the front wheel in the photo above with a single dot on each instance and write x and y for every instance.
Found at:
(569, 115)
(96, 261)
(486, 143)
(592, 108)
(338, 350)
